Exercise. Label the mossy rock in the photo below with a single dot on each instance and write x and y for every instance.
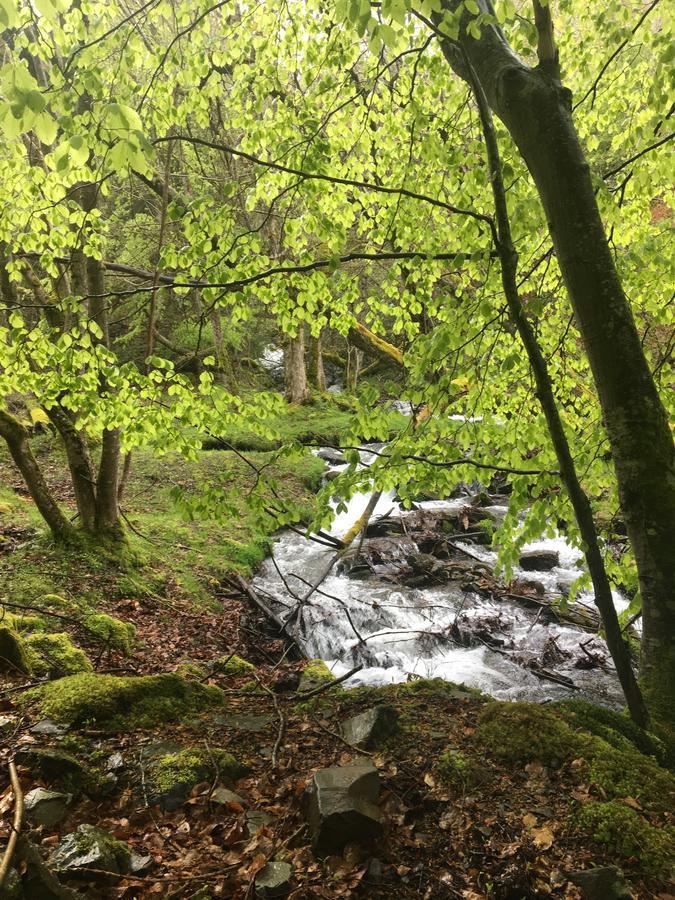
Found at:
(628, 773)
(455, 770)
(61, 769)
(122, 702)
(315, 674)
(14, 656)
(21, 623)
(54, 655)
(233, 666)
(173, 775)
(614, 727)
(112, 632)
(523, 732)
(631, 835)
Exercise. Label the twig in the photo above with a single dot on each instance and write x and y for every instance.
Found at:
(282, 722)
(16, 824)
(329, 684)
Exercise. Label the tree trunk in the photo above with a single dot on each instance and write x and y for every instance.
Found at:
(79, 463)
(536, 110)
(317, 370)
(294, 368)
(107, 485)
(16, 437)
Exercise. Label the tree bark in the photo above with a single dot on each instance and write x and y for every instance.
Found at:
(318, 373)
(79, 463)
(295, 371)
(16, 437)
(536, 110)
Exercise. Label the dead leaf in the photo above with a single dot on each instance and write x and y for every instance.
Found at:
(543, 837)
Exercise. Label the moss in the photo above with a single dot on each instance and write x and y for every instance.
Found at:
(630, 835)
(614, 727)
(431, 690)
(455, 770)
(55, 655)
(22, 623)
(14, 656)
(116, 702)
(522, 732)
(88, 837)
(233, 665)
(487, 529)
(192, 765)
(110, 631)
(315, 674)
(59, 768)
(627, 773)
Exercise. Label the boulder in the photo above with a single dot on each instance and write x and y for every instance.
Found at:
(606, 883)
(90, 848)
(45, 807)
(273, 880)
(332, 456)
(171, 776)
(370, 728)
(58, 768)
(341, 805)
(14, 656)
(539, 560)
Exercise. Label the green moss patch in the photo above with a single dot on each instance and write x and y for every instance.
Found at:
(192, 765)
(13, 652)
(55, 655)
(110, 631)
(523, 732)
(233, 666)
(116, 702)
(631, 835)
(454, 769)
(614, 727)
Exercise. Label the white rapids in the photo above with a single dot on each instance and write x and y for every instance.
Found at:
(397, 632)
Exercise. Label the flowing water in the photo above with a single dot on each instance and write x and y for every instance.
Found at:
(396, 631)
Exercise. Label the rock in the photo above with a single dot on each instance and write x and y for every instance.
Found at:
(372, 727)
(274, 880)
(539, 560)
(11, 888)
(255, 820)
(6, 724)
(114, 762)
(45, 807)
(47, 727)
(90, 848)
(375, 871)
(606, 883)
(222, 797)
(38, 882)
(245, 721)
(171, 776)
(332, 456)
(315, 674)
(341, 807)
(140, 865)
(13, 653)
(58, 768)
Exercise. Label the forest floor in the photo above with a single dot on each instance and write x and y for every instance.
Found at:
(478, 799)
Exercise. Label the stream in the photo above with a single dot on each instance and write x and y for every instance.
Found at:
(398, 630)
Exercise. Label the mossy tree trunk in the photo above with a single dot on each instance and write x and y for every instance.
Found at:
(295, 371)
(536, 110)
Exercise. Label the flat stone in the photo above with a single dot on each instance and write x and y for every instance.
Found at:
(605, 883)
(6, 724)
(539, 560)
(114, 762)
(223, 797)
(140, 865)
(372, 727)
(274, 880)
(341, 807)
(332, 456)
(255, 820)
(90, 848)
(47, 727)
(45, 807)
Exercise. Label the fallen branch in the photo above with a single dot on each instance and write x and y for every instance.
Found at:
(16, 824)
(328, 684)
(246, 589)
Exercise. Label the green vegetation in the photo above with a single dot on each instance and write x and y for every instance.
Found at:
(454, 769)
(233, 666)
(111, 632)
(55, 655)
(121, 702)
(522, 732)
(192, 765)
(13, 653)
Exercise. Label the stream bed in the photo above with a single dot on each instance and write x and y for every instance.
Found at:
(445, 623)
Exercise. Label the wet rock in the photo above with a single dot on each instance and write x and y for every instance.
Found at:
(49, 728)
(606, 883)
(341, 807)
(274, 880)
(255, 820)
(332, 456)
(371, 728)
(222, 797)
(315, 674)
(531, 584)
(6, 724)
(90, 848)
(539, 560)
(45, 807)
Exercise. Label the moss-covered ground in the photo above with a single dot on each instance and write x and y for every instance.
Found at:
(155, 672)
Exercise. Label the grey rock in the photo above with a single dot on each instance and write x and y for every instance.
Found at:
(45, 807)
(55, 767)
(245, 722)
(114, 762)
(6, 724)
(539, 560)
(341, 806)
(47, 727)
(606, 883)
(223, 797)
(90, 848)
(140, 865)
(332, 456)
(372, 727)
(274, 880)
(38, 881)
(255, 820)
(375, 871)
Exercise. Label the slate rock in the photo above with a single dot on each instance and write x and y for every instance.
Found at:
(55, 767)
(45, 807)
(341, 807)
(90, 848)
(6, 724)
(255, 820)
(605, 883)
(372, 727)
(38, 882)
(140, 865)
(274, 880)
(222, 797)
(47, 727)
(539, 560)
(375, 871)
(114, 762)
